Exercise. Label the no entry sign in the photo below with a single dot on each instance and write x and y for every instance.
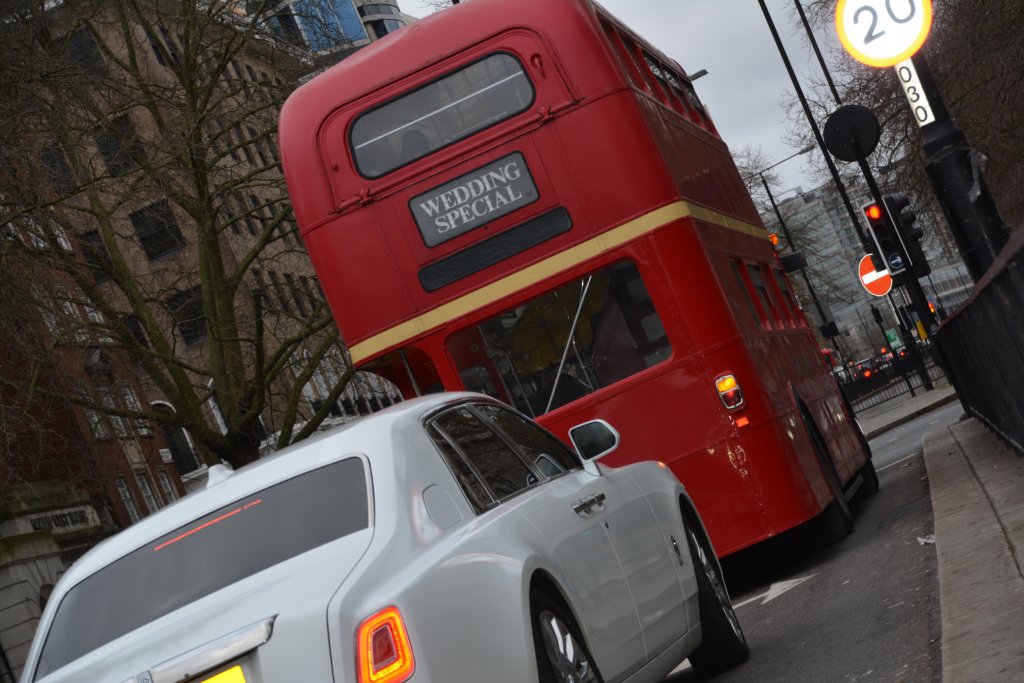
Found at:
(877, 282)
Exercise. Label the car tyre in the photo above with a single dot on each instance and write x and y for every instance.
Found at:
(723, 644)
(562, 656)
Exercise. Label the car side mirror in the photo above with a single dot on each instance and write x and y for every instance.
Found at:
(594, 439)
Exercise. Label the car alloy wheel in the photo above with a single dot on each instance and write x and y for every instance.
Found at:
(706, 565)
(568, 658)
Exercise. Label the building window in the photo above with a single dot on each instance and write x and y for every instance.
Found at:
(134, 326)
(97, 424)
(328, 25)
(107, 399)
(382, 27)
(296, 295)
(128, 499)
(96, 255)
(81, 48)
(119, 146)
(57, 169)
(131, 402)
(187, 310)
(157, 230)
(146, 486)
(368, 10)
(166, 486)
(282, 298)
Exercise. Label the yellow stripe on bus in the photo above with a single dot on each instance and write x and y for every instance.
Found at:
(541, 270)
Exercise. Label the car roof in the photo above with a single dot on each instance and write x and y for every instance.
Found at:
(365, 436)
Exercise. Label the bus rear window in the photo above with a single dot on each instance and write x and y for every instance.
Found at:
(212, 552)
(587, 334)
(439, 114)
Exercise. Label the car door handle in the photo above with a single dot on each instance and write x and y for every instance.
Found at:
(582, 507)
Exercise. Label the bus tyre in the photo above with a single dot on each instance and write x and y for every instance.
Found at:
(723, 644)
(868, 481)
(838, 515)
(562, 656)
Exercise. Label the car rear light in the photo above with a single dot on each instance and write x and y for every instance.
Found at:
(232, 675)
(384, 651)
(729, 391)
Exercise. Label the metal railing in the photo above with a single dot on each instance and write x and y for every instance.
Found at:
(982, 344)
(888, 382)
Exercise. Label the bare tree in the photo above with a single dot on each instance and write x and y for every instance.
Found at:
(144, 133)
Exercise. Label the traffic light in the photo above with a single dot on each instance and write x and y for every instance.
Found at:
(887, 240)
(899, 208)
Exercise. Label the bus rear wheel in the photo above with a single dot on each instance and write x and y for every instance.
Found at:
(838, 513)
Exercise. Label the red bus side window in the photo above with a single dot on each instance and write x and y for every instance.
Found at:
(739, 269)
(626, 63)
(663, 76)
(786, 296)
(761, 285)
(633, 51)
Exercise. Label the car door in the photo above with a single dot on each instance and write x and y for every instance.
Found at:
(584, 507)
(492, 467)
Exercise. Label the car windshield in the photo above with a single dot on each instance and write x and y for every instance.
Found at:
(210, 553)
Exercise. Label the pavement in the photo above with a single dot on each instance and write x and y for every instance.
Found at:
(977, 492)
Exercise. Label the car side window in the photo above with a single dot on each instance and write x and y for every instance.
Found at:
(471, 485)
(501, 469)
(549, 455)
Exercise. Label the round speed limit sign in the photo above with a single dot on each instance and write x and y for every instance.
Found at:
(883, 32)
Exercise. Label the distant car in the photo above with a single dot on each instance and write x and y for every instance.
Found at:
(446, 539)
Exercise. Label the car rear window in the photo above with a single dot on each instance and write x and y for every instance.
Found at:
(440, 113)
(210, 553)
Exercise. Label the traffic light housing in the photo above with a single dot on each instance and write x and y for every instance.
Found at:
(887, 239)
(899, 209)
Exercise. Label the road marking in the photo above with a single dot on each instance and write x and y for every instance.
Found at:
(914, 455)
(934, 422)
(775, 591)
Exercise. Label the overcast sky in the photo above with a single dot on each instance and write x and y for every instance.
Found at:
(746, 81)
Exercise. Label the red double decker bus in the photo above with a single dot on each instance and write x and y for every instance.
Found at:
(526, 199)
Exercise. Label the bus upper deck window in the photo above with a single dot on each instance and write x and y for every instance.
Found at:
(439, 114)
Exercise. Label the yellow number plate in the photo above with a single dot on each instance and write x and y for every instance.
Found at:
(232, 675)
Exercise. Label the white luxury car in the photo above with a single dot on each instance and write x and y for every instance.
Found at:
(446, 539)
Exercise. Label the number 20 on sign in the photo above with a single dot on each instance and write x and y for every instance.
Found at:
(883, 32)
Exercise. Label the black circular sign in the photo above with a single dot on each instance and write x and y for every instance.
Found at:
(851, 133)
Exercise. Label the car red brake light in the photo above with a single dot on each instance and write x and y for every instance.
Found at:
(384, 652)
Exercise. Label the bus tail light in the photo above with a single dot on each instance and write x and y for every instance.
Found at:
(384, 651)
(729, 391)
